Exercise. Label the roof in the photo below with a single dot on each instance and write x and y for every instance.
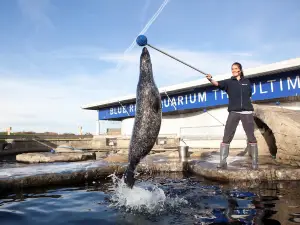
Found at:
(263, 70)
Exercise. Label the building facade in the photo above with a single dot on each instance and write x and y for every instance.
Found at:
(197, 111)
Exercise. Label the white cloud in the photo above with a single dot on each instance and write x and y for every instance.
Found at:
(36, 11)
(169, 71)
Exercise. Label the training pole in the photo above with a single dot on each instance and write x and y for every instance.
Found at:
(142, 41)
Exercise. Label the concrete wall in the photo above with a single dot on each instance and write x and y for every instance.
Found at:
(103, 125)
(99, 142)
(201, 129)
(197, 129)
(53, 143)
(186, 123)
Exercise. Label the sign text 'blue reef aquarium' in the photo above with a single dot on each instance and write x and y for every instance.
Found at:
(279, 85)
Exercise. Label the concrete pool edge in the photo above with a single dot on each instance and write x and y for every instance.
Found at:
(233, 174)
(40, 175)
(54, 178)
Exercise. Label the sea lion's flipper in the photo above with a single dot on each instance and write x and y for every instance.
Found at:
(155, 102)
(156, 105)
(129, 177)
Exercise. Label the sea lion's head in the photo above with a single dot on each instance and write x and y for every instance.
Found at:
(145, 65)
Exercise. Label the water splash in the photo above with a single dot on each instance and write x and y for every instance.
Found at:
(144, 197)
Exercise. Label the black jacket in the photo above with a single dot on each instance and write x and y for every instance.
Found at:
(239, 93)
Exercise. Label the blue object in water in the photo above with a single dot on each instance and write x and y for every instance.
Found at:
(141, 40)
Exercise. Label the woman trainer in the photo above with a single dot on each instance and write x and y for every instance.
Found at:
(240, 107)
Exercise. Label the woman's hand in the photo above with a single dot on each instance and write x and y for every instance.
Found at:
(208, 76)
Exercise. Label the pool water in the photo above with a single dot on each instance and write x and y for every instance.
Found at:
(163, 199)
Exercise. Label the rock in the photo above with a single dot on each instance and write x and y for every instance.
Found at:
(66, 148)
(156, 166)
(76, 172)
(167, 154)
(173, 154)
(100, 155)
(205, 153)
(123, 158)
(117, 158)
(7, 144)
(241, 171)
(57, 157)
(123, 151)
(281, 131)
(52, 174)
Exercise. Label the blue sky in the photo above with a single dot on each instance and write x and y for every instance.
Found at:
(56, 56)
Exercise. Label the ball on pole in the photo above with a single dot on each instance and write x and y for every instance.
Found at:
(141, 40)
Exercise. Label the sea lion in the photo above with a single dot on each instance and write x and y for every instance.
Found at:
(147, 120)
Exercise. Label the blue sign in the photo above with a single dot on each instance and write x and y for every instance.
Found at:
(264, 87)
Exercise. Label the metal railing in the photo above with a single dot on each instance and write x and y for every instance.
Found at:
(43, 136)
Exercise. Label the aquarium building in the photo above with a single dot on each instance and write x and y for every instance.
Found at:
(197, 111)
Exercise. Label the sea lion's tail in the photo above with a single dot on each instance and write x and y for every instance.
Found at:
(129, 177)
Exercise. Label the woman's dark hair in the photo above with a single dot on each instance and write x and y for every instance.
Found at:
(240, 67)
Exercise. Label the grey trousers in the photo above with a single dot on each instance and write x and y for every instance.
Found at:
(232, 123)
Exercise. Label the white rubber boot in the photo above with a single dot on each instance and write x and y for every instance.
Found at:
(254, 154)
(224, 151)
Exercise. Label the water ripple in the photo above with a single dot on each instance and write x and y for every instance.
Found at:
(160, 200)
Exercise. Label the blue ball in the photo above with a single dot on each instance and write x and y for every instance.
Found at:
(277, 103)
(141, 40)
(204, 110)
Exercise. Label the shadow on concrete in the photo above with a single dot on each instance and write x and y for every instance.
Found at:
(44, 142)
(25, 145)
(268, 135)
